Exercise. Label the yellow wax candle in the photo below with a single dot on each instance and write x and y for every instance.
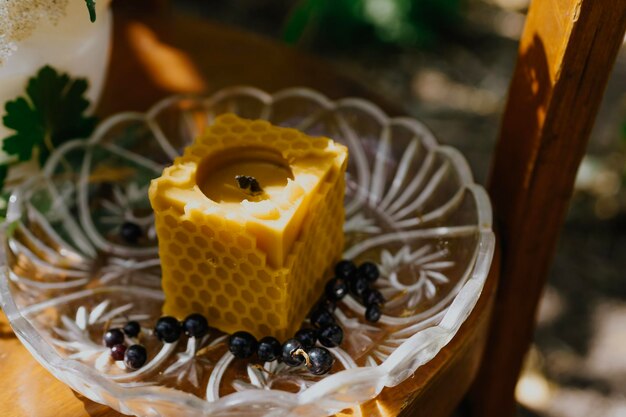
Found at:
(253, 261)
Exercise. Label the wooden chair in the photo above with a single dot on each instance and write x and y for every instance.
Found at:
(566, 53)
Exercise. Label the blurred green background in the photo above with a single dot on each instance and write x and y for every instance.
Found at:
(345, 23)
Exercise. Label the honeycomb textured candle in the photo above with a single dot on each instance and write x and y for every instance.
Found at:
(257, 264)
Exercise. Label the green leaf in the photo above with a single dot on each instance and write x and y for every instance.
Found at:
(25, 121)
(51, 113)
(4, 170)
(91, 6)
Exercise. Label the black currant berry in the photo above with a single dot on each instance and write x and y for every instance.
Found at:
(307, 337)
(130, 232)
(358, 286)
(345, 269)
(168, 329)
(269, 349)
(135, 356)
(320, 360)
(373, 313)
(113, 337)
(242, 344)
(369, 271)
(372, 296)
(132, 329)
(336, 289)
(289, 355)
(331, 335)
(117, 352)
(320, 318)
(195, 325)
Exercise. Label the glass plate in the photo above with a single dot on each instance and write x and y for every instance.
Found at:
(411, 206)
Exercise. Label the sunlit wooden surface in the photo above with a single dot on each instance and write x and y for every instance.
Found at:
(156, 54)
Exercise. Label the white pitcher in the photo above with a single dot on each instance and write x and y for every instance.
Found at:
(69, 42)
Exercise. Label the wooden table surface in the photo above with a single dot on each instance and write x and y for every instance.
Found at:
(159, 53)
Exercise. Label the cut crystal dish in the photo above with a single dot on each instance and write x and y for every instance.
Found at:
(411, 206)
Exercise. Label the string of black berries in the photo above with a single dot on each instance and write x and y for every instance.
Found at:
(357, 281)
(167, 329)
(302, 347)
(296, 351)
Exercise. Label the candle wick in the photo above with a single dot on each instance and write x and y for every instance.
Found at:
(248, 183)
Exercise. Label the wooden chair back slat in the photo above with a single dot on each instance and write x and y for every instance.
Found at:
(566, 54)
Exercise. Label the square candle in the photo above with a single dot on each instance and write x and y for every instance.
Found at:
(250, 222)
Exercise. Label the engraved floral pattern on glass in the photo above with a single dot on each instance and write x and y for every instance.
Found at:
(411, 207)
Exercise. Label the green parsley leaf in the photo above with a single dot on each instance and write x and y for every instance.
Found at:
(20, 117)
(51, 114)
